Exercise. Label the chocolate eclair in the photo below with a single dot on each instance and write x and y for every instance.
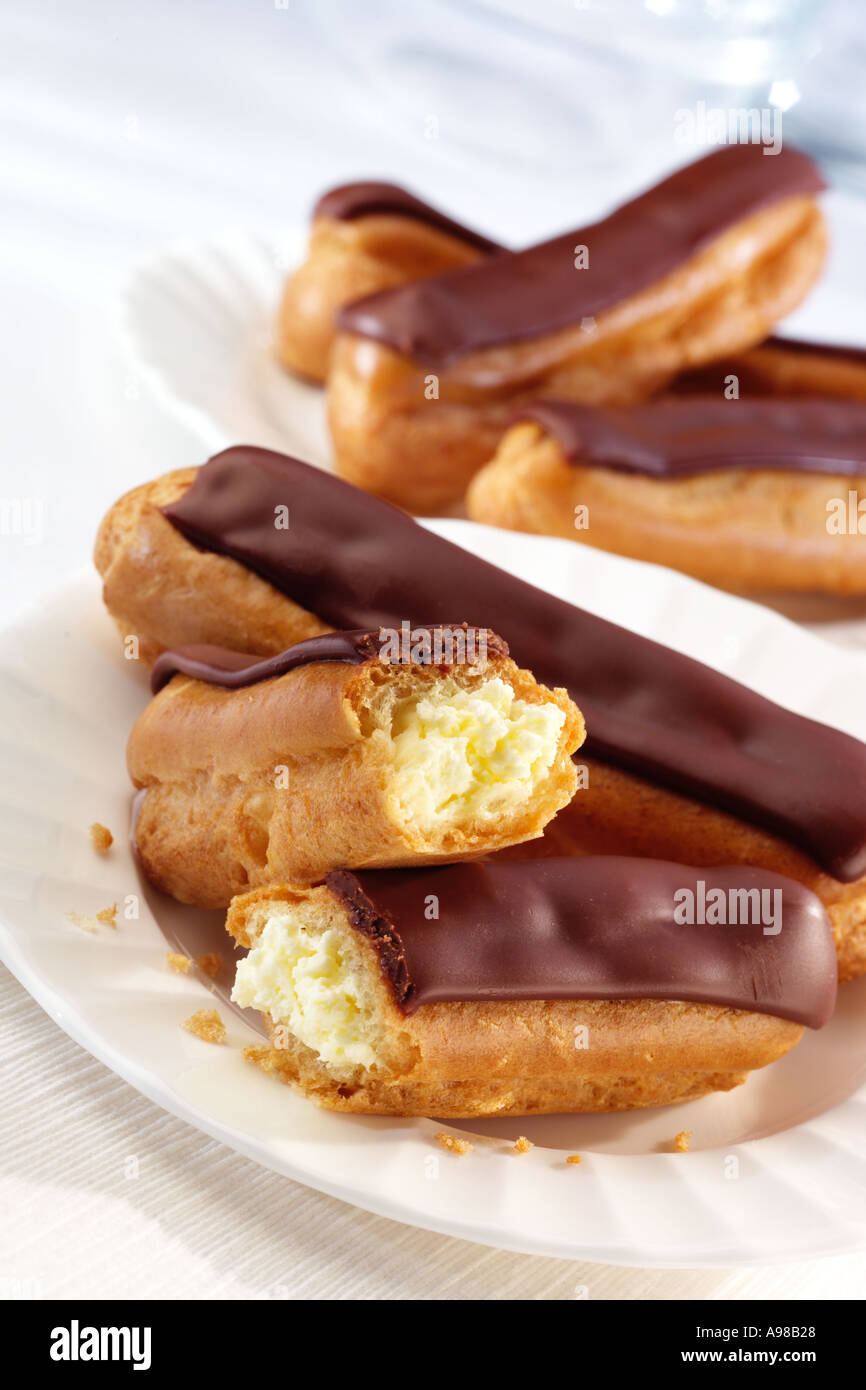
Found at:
(424, 377)
(744, 493)
(365, 748)
(364, 237)
(682, 763)
(513, 989)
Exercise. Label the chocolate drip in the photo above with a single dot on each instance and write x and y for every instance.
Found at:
(232, 670)
(353, 200)
(593, 928)
(528, 294)
(700, 434)
(360, 563)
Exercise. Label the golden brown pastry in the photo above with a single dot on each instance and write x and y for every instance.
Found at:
(514, 989)
(748, 494)
(365, 237)
(424, 377)
(360, 749)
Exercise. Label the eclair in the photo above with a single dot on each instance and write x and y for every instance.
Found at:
(365, 237)
(358, 749)
(753, 493)
(673, 748)
(784, 367)
(512, 989)
(424, 377)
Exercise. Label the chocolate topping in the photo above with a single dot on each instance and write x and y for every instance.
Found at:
(595, 928)
(353, 200)
(232, 670)
(360, 563)
(700, 434)
(528, 294)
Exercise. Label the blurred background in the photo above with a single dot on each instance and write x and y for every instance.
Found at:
(127, 127)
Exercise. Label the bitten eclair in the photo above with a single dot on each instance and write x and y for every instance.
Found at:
(740, 493)
(366, 749)
(682, 763)
(423, 377)
(364, 237)
(514, 989)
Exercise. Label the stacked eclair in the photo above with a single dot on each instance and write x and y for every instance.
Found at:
(619, 385)
(361, 743)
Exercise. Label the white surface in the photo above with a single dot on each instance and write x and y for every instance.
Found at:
(794, 1130)
(124, 129)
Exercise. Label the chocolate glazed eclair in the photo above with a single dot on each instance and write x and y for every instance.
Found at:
(365, 237)
(343, 750)
(514, 989)
(740, 493)
(682, 763)
(424, 377)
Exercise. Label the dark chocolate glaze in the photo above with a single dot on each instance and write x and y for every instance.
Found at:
(701, 434)
(528, 294)
(232, 670)
(359, 563)
(353, 200)
(590, 928)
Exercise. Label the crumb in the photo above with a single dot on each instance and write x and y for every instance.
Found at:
(523, 1145)
(453, 1144)
(681, 1143)
(108, 915)
(574, 1159)
(81, 920)
(101, 837)
(260, 1055)
(211, 963)
(207, 1025)
(178, 962)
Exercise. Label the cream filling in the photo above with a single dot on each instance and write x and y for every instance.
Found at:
(469, 754)
(304, 982)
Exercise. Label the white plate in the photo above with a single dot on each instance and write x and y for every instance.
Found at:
(197, 321)
(777, 1169)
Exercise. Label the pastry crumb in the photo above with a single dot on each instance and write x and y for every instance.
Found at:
(211, 963)
(207, 1025)
(681, 1143)
(260, 1055)
(453, 1144)
(523, 1145)
(81, 919)
(574, 1159)
(178, 962)
(101, 837)
(108, 915)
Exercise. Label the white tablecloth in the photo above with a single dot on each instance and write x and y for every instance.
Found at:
(125, 127)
